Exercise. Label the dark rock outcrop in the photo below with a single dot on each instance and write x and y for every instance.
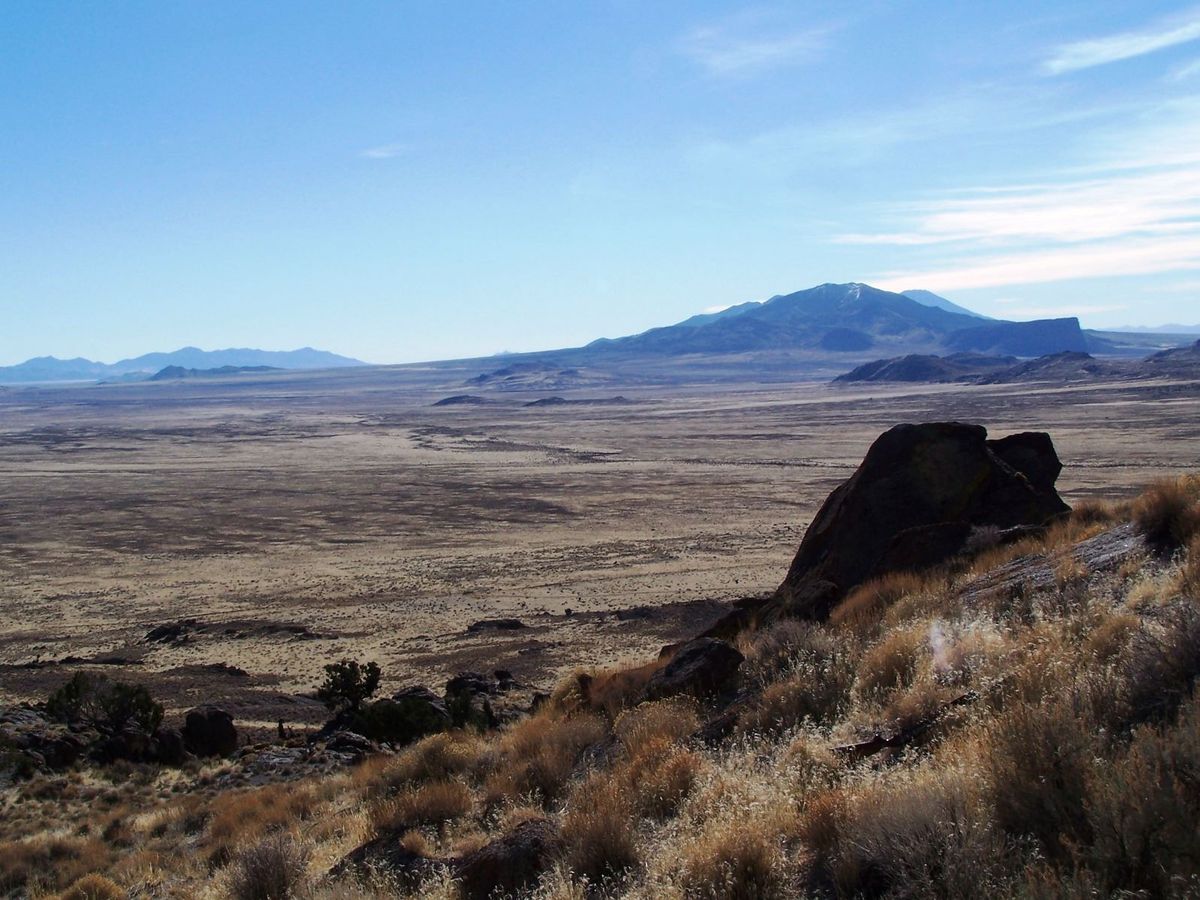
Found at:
(912, 503)
(209, 731)
(505, 867)
(703, 667)
(511, 864)
(468, 700)
(351, 744)
(495, 625)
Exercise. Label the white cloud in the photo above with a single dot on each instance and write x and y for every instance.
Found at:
(1165, 201)
(716, 309)
(385, 151)
(743, 45)
(1132, 208)
(1158, 35)
(1143, 256)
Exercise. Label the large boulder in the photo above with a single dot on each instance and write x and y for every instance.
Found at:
(209, 731)
(703, 667)
(913, 502)
(510, 865)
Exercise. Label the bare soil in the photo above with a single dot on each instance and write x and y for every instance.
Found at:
(306, 517)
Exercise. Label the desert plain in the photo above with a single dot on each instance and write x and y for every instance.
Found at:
(268, 525)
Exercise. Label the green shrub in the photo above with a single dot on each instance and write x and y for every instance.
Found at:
(105, 704)
(348, 685)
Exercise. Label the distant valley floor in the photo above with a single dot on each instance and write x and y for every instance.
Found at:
(292, 521)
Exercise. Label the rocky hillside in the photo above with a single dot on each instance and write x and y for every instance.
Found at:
(961, 688)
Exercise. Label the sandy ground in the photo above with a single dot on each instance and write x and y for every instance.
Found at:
(304, 518)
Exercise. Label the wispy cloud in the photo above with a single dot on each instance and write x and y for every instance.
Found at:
(384, 151)
(1132, 210)
(744, 45)
(1185, 71)
(1158, 35)
(1105, 259)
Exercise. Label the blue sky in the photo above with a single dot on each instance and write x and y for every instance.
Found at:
(419, 180)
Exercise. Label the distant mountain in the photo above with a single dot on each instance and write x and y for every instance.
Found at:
(1036, 338)
(927, 368)
(726, 313)
(176, 373)
(848, 318)
(931, 299)
(48, 368)
(1060, 367)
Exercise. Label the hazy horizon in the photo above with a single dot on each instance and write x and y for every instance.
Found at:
(403, 183)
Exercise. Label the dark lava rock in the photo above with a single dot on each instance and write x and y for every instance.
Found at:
(912, 503)
(511, 864)
(351, 745)
(209, 731)
(172, 632)
(169, 748)
(703, 667)
(495, 625)
(467, 699)
(36, 742)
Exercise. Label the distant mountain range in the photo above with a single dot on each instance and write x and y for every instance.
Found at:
(49, 368)
(851, 319)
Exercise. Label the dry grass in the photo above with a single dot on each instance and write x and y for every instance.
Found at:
(273, 869)
(433, 803)
(866, 605)
(50, 862)
(94, 887)
(1168, 512)
(599, 829)
(1071, 772)
(536, 756)
(892, 663)
(240, 818)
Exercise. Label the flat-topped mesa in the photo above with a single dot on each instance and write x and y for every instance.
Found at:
(912, 503)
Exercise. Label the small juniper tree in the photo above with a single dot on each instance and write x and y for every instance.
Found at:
(104, 704)
(347, 685)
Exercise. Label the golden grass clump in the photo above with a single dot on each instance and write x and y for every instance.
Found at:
(50, 862)
(240, 818)
(599, 829)
(734, 861)
(1168, 512)
(451, 754)
(536, 756)
(865, 606)
(892, 663)
(94, 887)
(674, 719)
(927, 834)
(432, 803)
